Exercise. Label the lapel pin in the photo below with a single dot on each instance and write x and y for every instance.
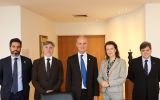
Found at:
(24, 61)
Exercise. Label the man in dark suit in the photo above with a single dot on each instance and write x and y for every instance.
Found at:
(47, 72)
(144, 72)
(15, 74)
(82, 73)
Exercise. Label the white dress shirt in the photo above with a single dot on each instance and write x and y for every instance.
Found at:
(45, 59)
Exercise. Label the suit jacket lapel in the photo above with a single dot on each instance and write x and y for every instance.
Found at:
(52, 64)
(10, 65)
(88, 61)
(43, 66)
(88, 64)
(77, 65)
(23, 65)
(152, 65)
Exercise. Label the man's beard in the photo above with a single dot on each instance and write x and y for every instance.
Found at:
(15, 52)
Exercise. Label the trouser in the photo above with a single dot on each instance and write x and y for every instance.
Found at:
(84, 94)
(17, 96)
(113, 96)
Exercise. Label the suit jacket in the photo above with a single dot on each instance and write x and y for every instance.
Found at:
(145, 86)
(6, 76)
(39, 77)
(74, 79)
(117, 76)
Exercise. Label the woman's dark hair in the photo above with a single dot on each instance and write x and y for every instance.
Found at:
(115, 46)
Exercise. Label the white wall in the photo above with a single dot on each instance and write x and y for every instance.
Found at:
(10, 27)
(152, 24)
(34, 25)
(81, 28)
(127, 31)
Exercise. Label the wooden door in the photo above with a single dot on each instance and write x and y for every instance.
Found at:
(67, 47)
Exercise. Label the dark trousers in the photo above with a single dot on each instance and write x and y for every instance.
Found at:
(17, 96)
(84, 94)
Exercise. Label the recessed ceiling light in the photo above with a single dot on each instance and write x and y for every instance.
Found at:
(80, 16)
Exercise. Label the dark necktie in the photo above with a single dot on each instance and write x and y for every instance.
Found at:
(14, 88)
(48, 68)
(146, 67)
(83, 72)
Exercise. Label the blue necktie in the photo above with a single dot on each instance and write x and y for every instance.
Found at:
(14, 88)
(146, 67)
(83, 72)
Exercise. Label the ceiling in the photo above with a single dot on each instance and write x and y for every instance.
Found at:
(63, 10)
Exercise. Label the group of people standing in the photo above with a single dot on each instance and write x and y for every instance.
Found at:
(82, 77)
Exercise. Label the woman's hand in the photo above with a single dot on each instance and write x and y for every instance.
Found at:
(105, 84)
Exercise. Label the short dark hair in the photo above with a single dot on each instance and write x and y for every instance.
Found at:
(115, 46)
(15, 40)
(144, 45)
(48, 42)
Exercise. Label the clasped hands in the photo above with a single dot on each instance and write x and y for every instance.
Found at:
(105, 84)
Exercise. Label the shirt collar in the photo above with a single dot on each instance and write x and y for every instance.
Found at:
(45, 57)
(84, 54)
(15, 57)
(149, 59)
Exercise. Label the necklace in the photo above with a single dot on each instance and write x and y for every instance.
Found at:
(109, 65)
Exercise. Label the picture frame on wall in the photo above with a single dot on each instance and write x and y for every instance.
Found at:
(42, 40)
